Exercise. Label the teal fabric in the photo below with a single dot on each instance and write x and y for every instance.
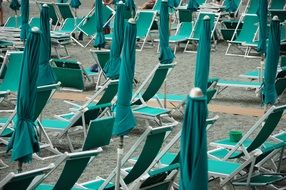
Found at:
(24, 140)
(166, 54)
(193, 146)
(62, 1)
(25, 28)
(99, 41)
(262, 16)
(112, 67)
(124, 118)
(272, 59)
(173, 3)
(203, 57)
(193, 5)
(75, 4)
(230, 6)
(15, 5)
(130, 6)
(46, 74)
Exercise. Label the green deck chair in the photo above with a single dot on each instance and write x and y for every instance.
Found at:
(246, 148)
(100, 57)
(71, 73)
(34, 22)
(74, 166)
(152, 84)
(251, 7)
(244, 37)
(144, 21)
(64, 10)
(87, 25)
(13, 22)
(154, 139)
(198, 26)
(82, 115)
(229, 27)
(185, 15)
(69, 25)
(22, 181)
(52, 11)
(277, 5)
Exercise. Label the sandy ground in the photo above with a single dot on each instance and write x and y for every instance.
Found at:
(180, 81)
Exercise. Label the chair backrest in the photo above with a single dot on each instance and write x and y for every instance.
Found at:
(252, 7)
(12, 75)
(35, 22)
(144, 22)
(69, 73)
(277, 4)
(158, 78)
(185, 15)
(249, 28)
(87, 26)
(102, 57)
(185, 29)
(99, 133)
(14, 22)
(22, 181)
(198, 27)
(52, 11)
(65, 10)
(69, 24)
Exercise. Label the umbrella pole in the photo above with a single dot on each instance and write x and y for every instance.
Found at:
(20, 164)
(119, 158)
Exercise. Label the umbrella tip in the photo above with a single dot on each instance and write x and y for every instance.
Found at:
(196, 92)
(206, 17)
(35, 29)
(120, 3)
(275, 18)
(132, 21)
(45, 5)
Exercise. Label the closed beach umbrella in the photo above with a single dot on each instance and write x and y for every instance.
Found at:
(15, 5)
(46, 74)
(262, 15)
(203, 57)
(193, 145)
(25, 28)
(99, 41)
(230, 6)
(75, 4)
(112, 67)
(193, 5)
(166, 54)
(24, 140)
(272, 59)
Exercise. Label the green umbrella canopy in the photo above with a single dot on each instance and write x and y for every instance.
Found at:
(124, 118)
(230, 6)
(272, 59)
(203, 56)
(193, 145)
(193, 5)
(24, 140)
(15, 5)
(262, 15)
(46, 74)
(99, 41)
(112, 67)
(75, 4)
(25, 28)
(166, 54)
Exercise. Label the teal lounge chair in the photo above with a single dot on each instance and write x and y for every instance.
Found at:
(64, 10)
(251, 7)
(144, 21)
(54, 15)
(75, 164)
(87, 25)
(214, 17)
(154, 138)
(185, 15)
(82, 115)
(71, 73)
(22, 181)
(152, 84)
(255, 152)
(13, 22)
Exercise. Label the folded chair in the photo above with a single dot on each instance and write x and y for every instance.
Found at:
(87, 25)
(22, 181)
(74, 166)
(154, 138)
(152, 84)
(82, 115)
(256, 152)
(144, 21)
(71, 73)
(244, 38)
(54, 15)
(198, 26)
(13, 22)
(44, 95)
